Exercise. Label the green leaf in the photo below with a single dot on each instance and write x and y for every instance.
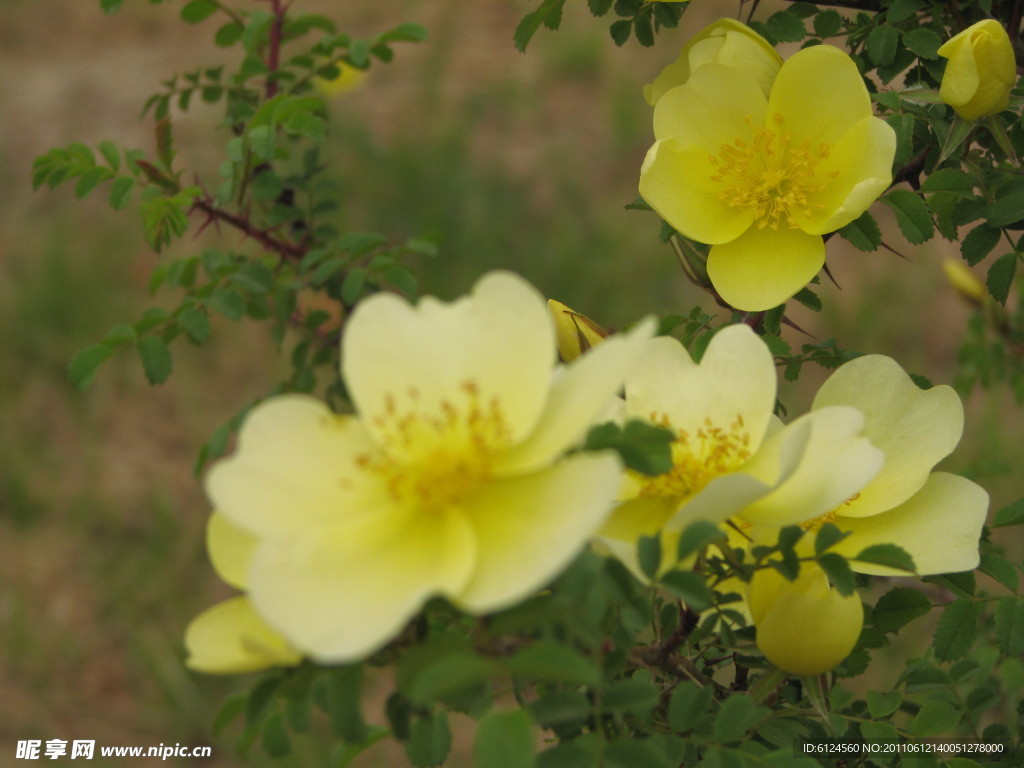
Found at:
(883, 704)
(690, 587)
(888, 555)
(430, 740)
(448, 676)
(156, 358)
(634, 695)
(344, 689)
(1000, 569)
(696, 536)
(923, 41)
(229, 34)
(228, 302)
(827, 23)
(948, 180)
(87, 181)
(786, 27)
(863, 233)
(1000, 276)
(352, 286)
(111, 154)
(903, 9)
(196, 323)
(955, 630)
(912, 215)
(827, 537)
(838, 572)
(643, 447)
(648, 552)
(898, 607)
(934, 717)
(1006, 210)
(83, 366)
(1009, 617)
(958, 132)
(549, 661)
(1011, 514)
(504, 740)
(119, 192)
(620, 31)
(737, 715)
(637, 753)
(882, 43)
(198, 10)
(561, 708)
(275, 735)
(979, 242)
(688, 705)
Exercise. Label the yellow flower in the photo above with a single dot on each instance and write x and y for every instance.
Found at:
(451, 479)
(726, 42)
(730, 452)
(935, 516)
(231, 638)
(981, 70)
(964, 281)
(576, 333)
(804, 627)
(347, 79)
(761, 180)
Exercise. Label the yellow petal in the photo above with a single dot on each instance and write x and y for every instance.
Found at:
(584, 389)
(939, 526)
(735, 381)
(230, 548)
(857, 171)
(716, 106)
(837, 461)
(820, 95)
(678, 181)
(804, 627)
(339, 593)
(230, 639)
(529, 528)
(914, 428)
(762, 268)
(296, 461)
(412, 359)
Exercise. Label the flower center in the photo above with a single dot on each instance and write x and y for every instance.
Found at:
(815, 524)
(699, 458)
(770, 174)
(430, 460)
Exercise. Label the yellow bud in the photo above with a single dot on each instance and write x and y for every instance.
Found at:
(726, 42)
(576, 333)
(964, 281)
(347, 80)
(804, 627)
(981, 70)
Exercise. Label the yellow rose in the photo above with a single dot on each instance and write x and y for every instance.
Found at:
(981, 70)
(726, 42)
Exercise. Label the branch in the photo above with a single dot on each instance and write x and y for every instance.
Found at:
(287, 250)
(274, 52)
(856, 5)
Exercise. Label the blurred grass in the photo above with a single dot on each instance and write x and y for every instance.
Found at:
(519, 162)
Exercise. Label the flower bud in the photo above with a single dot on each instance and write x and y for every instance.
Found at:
(576, 333)
(726, 42)
(347, 80)
(981, 70)
(964, 281)
(804, 627)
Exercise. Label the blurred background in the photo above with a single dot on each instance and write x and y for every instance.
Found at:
(511, 160)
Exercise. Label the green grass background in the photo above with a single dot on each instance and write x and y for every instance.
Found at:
(514, 161)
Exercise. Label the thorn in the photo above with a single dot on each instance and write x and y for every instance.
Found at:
(828, 273)
(791, 324)
(893, 250)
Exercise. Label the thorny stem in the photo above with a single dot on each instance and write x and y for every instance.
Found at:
(274, 51)
(289, 251)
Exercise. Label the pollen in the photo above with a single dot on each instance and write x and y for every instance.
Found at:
(700, 457)
(431, 459)
(771, 174)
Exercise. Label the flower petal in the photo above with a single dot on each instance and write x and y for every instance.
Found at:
(856, 172)
(939, 526)
(734, 382)
(529, 528)
(339, 593)
(583, 390)
(915, 428)
(230, 548)
(837, 461)
(677, 181)
(501, 339)
(764, 267)
(230, 639)
(716, 106)
(820, 95)
(296, 460)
